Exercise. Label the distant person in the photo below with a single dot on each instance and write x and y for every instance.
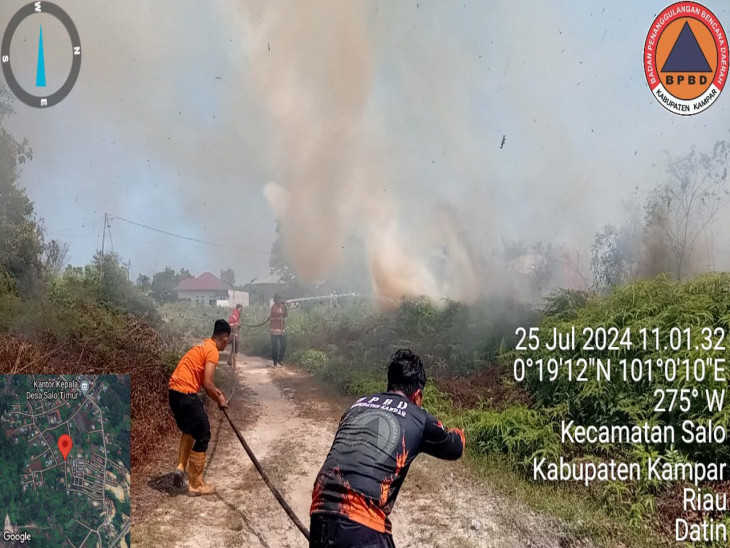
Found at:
(196, 369)
(235, 322)
(277, 329)
(376, 442)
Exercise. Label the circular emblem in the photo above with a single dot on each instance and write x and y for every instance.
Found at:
(686, 58)
(26, 11)
(375, 429)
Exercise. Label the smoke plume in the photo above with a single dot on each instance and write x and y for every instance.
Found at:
(415, 142)
(317, 82)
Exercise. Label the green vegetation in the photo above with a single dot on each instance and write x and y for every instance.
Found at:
(348, 348)
(666, 236)
(88, 319)
(21, 241)
(355, 340)
(162, 287)
(86, 307)
(81, 305)
(688, 308)
(191, 321)
(12, 457)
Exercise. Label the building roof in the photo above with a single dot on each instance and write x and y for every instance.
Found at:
(265, 279)
(205, 282)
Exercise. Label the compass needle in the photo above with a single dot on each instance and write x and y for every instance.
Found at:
(40, 75)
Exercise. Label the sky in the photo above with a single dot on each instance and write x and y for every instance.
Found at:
(383, 120)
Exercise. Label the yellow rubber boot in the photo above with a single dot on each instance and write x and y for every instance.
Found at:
(186, 444)
(197, 485)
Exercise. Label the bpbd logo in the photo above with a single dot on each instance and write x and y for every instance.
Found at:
(31, 12)
(686, 58)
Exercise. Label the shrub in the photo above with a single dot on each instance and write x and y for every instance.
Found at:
(192, 321)
(311, 360)
(660, 303)
(520, 433)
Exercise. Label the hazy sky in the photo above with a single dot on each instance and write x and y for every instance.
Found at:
(171, 123)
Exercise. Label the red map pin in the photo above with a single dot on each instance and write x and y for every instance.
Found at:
(65, 444)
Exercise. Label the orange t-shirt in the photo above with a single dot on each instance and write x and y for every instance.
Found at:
(188, 375)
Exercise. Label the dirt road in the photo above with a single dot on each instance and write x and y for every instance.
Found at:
(289, 422)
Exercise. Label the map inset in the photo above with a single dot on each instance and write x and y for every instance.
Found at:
(64, 460)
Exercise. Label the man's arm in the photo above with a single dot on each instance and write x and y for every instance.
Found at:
(441, 443)
(210, 387)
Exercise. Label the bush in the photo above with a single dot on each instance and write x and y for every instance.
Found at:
(453, 339)
(311, 360)
(192, 321)
(520, 433)
(660, 303)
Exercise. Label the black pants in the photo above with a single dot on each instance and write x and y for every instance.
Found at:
(278, 347)
(191, 418)
(338, 532)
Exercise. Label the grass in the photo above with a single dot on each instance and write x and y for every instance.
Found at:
(84, 321)
(192, 321)
(347, 349)
(580, 514)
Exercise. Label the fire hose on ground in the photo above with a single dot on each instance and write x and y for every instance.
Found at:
(266, 479)
(258, 466)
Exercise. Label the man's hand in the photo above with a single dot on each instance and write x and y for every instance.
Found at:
(222, 403)
(460, 433)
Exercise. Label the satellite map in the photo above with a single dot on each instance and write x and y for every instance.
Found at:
(64, 460)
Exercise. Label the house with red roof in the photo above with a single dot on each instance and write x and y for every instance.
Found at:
(205, 289)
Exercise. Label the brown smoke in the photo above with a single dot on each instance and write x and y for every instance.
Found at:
(316, 82)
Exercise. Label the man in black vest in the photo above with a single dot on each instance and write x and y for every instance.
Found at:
(378, 438)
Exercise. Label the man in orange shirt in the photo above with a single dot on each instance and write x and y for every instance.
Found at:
(277, 329)
(196, 369)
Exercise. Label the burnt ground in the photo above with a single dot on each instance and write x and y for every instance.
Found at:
(492, 387)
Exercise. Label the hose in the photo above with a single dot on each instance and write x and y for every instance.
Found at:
(266, 479)
(257, 325)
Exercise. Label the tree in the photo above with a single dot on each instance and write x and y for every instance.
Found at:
(21, 235)
(680, 210)
(618, 254)
(229, 277)
(544, 268)
(163, 284)
(144, 283)
(280, 267)
(607, 260)
(115, 289)
(74, 271)
(54, 257)
(279, 264)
